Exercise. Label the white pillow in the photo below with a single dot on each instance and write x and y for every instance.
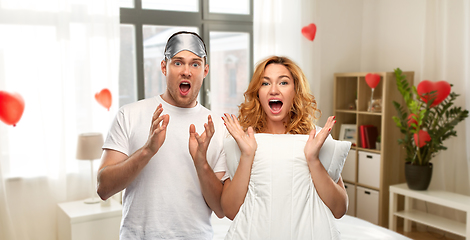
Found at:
(332, 154)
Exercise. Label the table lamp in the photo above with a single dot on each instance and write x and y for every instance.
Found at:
(89, 148)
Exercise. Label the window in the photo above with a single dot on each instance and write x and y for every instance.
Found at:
(225, 26)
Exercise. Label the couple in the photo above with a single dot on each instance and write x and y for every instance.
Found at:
(174, 177)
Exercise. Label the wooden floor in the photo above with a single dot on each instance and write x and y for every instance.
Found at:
(417, 235)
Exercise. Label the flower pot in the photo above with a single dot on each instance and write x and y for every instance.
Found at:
(418, 177)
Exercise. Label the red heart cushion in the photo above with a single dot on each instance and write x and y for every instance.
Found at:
(442, 89)
(372, 79)
(309, 31)
(104, 98)
(11, 107)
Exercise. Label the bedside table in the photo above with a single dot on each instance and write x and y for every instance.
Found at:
(80, 221)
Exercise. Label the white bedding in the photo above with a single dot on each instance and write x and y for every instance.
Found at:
(281, 201)
(350, 228)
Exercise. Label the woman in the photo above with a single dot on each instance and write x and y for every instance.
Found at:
(277, 192)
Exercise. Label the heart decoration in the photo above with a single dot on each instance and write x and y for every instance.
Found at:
(421, 138)
(441, 88)
(309, 31)
(372, 79)
(104, 98)
(411, 119)
(11, 107)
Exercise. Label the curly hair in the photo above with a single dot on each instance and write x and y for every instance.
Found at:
(303, 110)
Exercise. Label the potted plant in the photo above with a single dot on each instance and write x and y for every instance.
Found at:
(427, 118)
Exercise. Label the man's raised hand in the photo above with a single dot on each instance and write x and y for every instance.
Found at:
(198, 144)
(157, 132)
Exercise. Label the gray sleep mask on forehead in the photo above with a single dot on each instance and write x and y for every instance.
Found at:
(185, 41)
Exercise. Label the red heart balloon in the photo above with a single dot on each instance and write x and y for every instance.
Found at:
(309, 31)
(412, 120)
(104, 98)
(11, 107)
(421, 138)
(442, 89)
(372, 79)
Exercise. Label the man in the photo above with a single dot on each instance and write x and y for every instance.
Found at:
(171, 174)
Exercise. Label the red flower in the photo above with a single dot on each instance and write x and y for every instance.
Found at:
(422, 138)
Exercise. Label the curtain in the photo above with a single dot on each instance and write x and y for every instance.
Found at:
(445, 56)
(277, 27)
(56, 54)
(466, 8)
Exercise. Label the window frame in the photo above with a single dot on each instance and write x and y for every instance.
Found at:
(202, 19)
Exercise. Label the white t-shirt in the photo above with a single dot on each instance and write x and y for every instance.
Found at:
(165, 200)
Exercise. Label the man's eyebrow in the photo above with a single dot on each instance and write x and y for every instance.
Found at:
(192, 59)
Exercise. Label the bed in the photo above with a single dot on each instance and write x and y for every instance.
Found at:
(350, 228)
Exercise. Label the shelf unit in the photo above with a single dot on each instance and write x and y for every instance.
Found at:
(443, 198)
(389, 160)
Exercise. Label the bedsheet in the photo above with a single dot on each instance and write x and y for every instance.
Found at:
(350, 228)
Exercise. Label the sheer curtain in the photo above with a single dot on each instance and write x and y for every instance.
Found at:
(57, 54)
(277, 27)
(446, 56)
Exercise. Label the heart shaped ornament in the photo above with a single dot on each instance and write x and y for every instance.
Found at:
(309, 31)
(104, 98)
(438, 91)
(412, 119)
(372, 79)
(421, 138)
(11, 107)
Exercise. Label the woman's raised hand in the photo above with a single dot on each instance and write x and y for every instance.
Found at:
(315, 141)
(246, 140)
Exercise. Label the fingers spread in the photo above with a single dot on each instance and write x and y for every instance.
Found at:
(312, 134)
(251, 132)
(157, 112)
(192, 129)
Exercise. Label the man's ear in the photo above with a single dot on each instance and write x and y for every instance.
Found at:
(206, 70)
(163, 67)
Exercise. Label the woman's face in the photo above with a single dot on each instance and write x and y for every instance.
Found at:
(276, 95)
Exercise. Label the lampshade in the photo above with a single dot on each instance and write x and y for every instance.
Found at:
(89, 146)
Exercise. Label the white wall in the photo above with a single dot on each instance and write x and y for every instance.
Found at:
(339, 36)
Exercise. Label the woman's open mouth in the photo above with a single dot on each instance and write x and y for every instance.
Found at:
(275, 105)
(184, 88)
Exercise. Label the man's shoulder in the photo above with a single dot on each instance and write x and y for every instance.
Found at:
(141, 104)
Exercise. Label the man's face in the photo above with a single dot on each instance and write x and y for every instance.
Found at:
(184, 75)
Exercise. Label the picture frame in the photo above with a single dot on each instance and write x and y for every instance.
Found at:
(348, 132)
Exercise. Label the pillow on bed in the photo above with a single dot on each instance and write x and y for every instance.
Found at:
(332, 154)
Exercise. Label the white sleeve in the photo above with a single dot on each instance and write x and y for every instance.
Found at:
(118, 135)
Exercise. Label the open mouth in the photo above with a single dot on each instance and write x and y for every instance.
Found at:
(275, 105)
(185, 87)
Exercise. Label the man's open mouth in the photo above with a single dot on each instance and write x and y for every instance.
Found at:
(185, 87)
